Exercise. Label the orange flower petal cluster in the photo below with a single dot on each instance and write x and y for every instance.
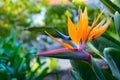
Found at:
(82, 33)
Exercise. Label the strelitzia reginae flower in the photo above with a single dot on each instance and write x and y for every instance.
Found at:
(79, 36)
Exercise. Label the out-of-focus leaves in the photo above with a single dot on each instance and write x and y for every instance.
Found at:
(111, 6)
(55, 15)
(43, 73)
(2, 69)
(15, 62)
(16, 14)
(32, 75)
(113, 55)
(3, 72)
(52, 64)
(117, 22)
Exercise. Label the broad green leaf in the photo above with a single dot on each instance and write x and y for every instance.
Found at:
(84, 70)
(98, 70)
(95, 50)
(111, 6)
(111, 38)
(117, 22)
(113, 58)
(108, 75)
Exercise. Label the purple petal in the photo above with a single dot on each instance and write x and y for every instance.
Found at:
(53, 52)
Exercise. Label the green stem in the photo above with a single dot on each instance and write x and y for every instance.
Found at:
(57, 76)
(95, 50)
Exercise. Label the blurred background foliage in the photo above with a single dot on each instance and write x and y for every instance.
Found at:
(22, 26)
(16, 13)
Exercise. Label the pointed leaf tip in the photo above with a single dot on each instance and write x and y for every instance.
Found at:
(62, 35)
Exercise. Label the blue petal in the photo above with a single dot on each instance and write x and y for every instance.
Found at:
(62, 35)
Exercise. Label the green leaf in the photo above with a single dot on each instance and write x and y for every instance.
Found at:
(111, 38)
(50, 30)
(117, 22)
(113, 58)
(75, 75)
(42, 75)
(3, 72)
(108, 75)
(98, 70)
(33, 73)
(94, 49)
(111, 6)
(84, 70)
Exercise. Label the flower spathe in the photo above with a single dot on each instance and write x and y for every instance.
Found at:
(79, 35)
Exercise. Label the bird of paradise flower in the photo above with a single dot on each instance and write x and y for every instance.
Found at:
(79, 36)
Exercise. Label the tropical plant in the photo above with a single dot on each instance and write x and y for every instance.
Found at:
(103, 51)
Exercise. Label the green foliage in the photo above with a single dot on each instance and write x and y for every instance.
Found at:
(16, 13)
(113, 55)
(80, 66)
(56, 16)
(49, 29)
(111, 6)
(117, 22)
(15, 62)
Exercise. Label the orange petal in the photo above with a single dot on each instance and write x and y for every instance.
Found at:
(60, 42)
(95, 21)
(99, 31)
(85, 25)
(79, 28)
(102, 30)
(72, 30)
(95, 29)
